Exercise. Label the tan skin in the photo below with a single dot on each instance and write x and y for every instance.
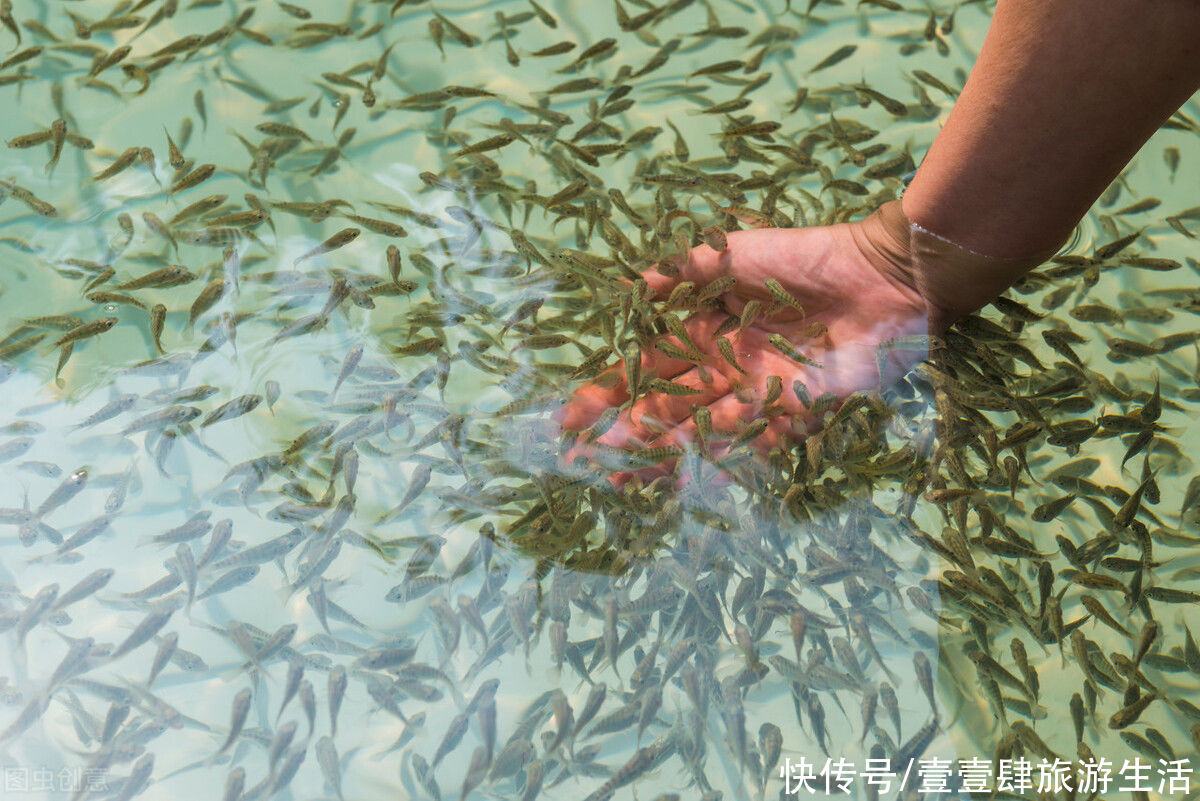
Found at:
(1038, 132)
(834, 283)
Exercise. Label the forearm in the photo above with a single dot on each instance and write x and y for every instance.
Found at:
(1063, 94)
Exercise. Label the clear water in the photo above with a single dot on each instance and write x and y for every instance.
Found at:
(697, 570)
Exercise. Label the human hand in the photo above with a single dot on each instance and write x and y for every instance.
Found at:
(851, 280)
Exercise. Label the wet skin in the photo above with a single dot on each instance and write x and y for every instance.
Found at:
(829, 270)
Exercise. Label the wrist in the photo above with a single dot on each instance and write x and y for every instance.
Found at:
(885, 239)
(953, 281)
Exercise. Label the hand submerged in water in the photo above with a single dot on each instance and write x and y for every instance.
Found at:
(852, 281)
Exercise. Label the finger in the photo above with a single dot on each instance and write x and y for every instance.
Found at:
(649, 418)
(762, 359)
(780, 431)
(673, 438)
(611, 388)
(618, 448)
(659, 412)
(701, 265)
(730, 416)
(645, 474)
(709, 477)
(588, 402)
(661, 283)
(656, 415)
(657, 363)
(704, 265)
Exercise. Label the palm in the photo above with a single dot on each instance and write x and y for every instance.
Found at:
(828, 272)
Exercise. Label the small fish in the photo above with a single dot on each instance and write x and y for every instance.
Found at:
(1096, 607)
(149, 626)
(1116, 246)
(193, 178)
(121, 163)
(85, 533)
(201, 108)
(309, 702)
(239, 219)
(87, 586)
(353, 357)
(422, 347)
(931, 80)
(158, 318)
(925, 679)
(30, 140)
(836, 57)
(718, 68)
(891, 105)
(757, 130)
(477, 770)
(231, 580)
(597, 50)
(272, 391)
(844, 185)
(58, 131)
(162, 278)
(672, 388)
(265, 552)
(714, 237)
(781, 344)
(458, 34)
(105, 298)
(327, 758)
(213, 291)
(337, 691)
(1096, 313)
(166, 650)
(487, 145)
(174, 154)
(29, 715)
(182, 45)
(15, 448)
(555, 49)
(728, 107)
(237, 407)
(65, 491)
(295, 11)
(87, 330)
(21, 57)
(452, 737)
(6, 17)
(1052, 509)
(237, 718)
(196, 526)
(545, 16)
(1144, 205)
(1172, 595)
(1096, 581)
(420, 478)
(781, 295)
(1147, 263)
(438, 31)
(340, 239)
(575, 85)
(235, 784)
(282, 130)
(1129, 714)
(379, 226)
